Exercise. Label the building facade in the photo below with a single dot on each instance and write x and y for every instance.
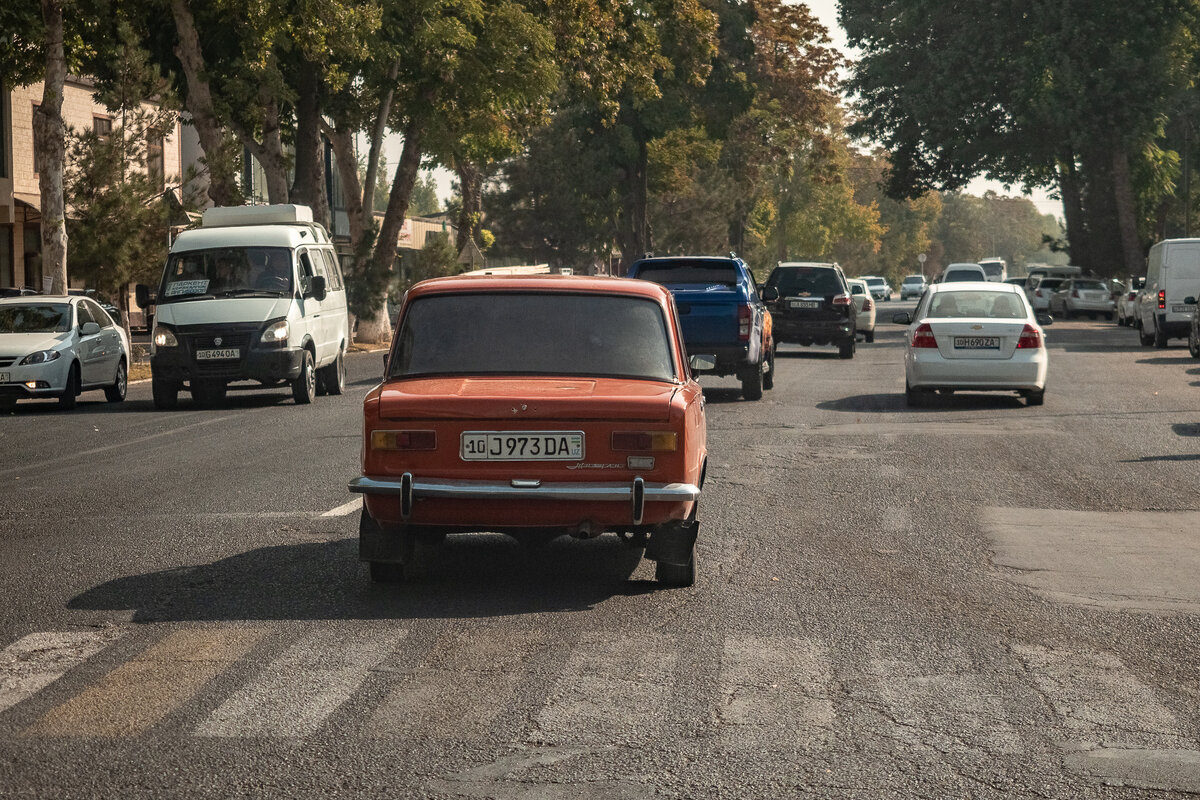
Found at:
(20, 198)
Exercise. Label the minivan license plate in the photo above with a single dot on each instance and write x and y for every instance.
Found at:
(976, 343)
(1182, 309)
(521, 446)
(211, 355)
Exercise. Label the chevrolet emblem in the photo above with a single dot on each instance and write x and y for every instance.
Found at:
(973, 327)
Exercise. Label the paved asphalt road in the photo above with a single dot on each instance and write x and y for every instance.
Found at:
(977, 599)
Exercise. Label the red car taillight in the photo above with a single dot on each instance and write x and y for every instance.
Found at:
(1030, 337)
(403, 440)
(1132, 296)
(923, 336)
(1038, 292)
(867, 304)
(1162, 298)
(745, 321)
(841, 300)
(1074, 293)
(644, 440)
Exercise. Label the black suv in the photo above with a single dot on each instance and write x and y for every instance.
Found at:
(810, 304)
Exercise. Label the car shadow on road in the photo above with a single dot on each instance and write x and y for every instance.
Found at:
(893, 403)
(1186, 428)
(1184, 358)
(1173, 457)
(472, 576)
(717, 395)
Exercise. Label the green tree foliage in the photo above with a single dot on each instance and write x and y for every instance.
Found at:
(424, 197)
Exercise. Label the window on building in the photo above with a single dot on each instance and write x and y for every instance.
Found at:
(155, 165)
(37, 142)
(102, 126)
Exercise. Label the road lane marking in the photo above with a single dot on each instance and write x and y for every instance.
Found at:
(294, 695)
(462, 686)
(614, 689)
(33, 662)
(27, 468)
(779, 685)
(344, 508)
(138, 694)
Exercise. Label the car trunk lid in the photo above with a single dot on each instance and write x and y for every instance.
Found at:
(977, 338)
(527, 398)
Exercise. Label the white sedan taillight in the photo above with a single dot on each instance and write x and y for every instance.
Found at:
(1030, 338)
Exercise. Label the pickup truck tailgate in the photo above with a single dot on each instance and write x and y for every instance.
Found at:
(708, 314)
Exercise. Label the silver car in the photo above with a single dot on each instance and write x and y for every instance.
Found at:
(1082, 296)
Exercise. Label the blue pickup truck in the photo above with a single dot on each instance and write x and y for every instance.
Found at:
(721, 315)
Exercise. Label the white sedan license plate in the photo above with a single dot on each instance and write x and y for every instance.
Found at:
(521, 446)
(212, 355)
(1182, 309)
(804, 304)
(976, 343)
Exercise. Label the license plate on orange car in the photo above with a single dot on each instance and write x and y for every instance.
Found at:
(976, 343)
(521, 446)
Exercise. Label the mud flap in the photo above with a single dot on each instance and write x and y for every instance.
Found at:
(673, 542)
(377, 544)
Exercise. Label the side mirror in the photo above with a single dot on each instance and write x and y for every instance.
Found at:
(142, 293)
(903, 318)
(89, 329)
(315, 287)
(1044, 320)
(769, 294)
(1191, 301)
(703, 363)
(385, 364)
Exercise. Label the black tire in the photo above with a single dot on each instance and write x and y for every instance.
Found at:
(1112, 316)
(304, 388)
(1193, 343)
(7, 403)
(70, 394)
(166, 395)
(769, 377)
(676, 574)
(869, 336)
(1160, 336)
(1035, 398)
(209, 393)
(846, 349)
(331, 379)
(752, 384)
(1146, 339)
(120, 385)
(913, 398)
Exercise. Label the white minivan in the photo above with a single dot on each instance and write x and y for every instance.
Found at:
(1172, 278)
(254, 294)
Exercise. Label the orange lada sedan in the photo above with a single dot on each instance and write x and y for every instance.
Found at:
(535, 407)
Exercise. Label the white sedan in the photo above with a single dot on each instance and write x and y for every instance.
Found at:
(864, 308)
(974, 336)
(58, 347)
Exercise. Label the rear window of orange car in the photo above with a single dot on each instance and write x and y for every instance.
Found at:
(510, 333)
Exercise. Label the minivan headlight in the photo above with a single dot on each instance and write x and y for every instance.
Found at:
(40, 357)
(164, 337)
(276, 334)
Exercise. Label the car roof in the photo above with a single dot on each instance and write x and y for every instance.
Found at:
(856, 280)
(975, 286)
(41, 298)
(787, 264)
(918, 277)
(541, 283)
(961, 264)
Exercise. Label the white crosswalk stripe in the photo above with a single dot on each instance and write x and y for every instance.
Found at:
(298, 690)
(33, 662)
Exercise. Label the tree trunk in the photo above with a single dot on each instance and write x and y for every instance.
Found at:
(470, 216)
(269, 152)
(376, 146)
(51, 151)
(222, 183)
(1131, 245)
(383, 259)
(1099, 204)
(1072, 200)
(308, 187)
(636, 237)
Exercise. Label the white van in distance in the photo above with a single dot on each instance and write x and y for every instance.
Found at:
(254, 294)
(1172, 277)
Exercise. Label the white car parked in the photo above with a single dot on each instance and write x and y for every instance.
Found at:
(59, 347)
(864, 308)
(977, 336)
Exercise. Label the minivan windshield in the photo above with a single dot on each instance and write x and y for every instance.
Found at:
(227, 272)
(35, 318)
(511, 333)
